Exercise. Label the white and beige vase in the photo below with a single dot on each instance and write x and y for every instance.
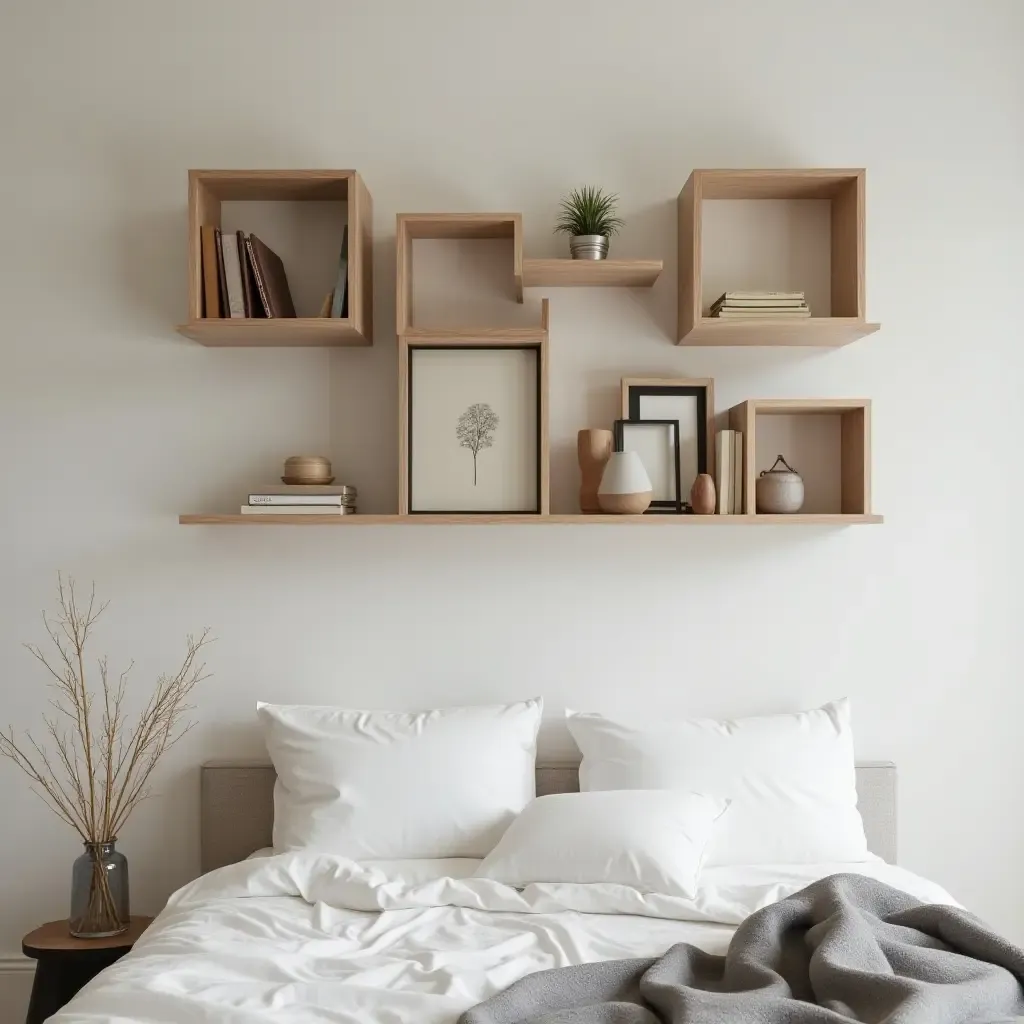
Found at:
(625, 486)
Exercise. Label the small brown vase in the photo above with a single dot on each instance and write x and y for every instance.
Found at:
(702, 495)
(593, 449)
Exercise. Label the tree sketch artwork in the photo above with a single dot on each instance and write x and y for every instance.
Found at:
(475, 430)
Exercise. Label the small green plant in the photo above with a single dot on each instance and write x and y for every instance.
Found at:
(588, 211)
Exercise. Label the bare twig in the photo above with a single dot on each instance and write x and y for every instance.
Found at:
(94, 772)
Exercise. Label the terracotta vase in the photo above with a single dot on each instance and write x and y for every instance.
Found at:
(702, 495)
(593, 449)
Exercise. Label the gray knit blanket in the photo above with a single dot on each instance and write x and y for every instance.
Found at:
(847, 948)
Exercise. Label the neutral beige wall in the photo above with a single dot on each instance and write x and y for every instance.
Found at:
(112, 424)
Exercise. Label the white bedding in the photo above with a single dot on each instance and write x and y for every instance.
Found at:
(298, 938)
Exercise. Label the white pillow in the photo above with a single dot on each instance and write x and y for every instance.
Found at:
(375, 785)
(650, 840)
(791, 778)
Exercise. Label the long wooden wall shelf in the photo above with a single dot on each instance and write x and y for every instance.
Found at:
(528, 520)
(566, 273)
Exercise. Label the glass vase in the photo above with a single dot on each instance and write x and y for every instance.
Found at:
(99, 893)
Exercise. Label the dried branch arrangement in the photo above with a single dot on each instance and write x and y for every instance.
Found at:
(94, 767)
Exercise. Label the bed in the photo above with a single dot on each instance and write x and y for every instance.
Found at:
(299, 938)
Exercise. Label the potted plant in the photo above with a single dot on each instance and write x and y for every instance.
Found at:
(588, 218)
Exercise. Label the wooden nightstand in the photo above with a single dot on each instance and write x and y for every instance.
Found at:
(65, 963)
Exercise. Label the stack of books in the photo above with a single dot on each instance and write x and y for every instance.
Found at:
(243, 277)
(759, 306)
(729, 473)
(302, 500)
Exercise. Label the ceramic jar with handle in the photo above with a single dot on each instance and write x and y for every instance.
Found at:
(780, 491)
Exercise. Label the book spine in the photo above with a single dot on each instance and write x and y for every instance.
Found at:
(341, 286)
(258, 278)
(737, 474)
(233, 276)
(329, 500)
(723, 470)
(293, 510)
(211, 288)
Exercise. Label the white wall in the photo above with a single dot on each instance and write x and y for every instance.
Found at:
(113, 424)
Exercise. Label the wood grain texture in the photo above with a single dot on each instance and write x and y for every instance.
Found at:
(854, 453)
(360, 269)
(54, 936)
(855, 473)
(821, 332)
(316, 332)
(237, 802)
(564, 273)
(247, 185)
(689, 269)
(475, 335)
(208, 188)
(848, 239)
(403, 430)
(461, 225)
(781, 183)
(526, 519)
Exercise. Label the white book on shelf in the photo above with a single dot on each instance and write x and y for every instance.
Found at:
(233, 275)
(294, 510)
(297, 499)
(737, 473)
(723, 471)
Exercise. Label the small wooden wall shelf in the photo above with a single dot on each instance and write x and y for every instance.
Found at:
(567, 273)
(845, 190)
(850, 463)
(527, 520)
(208, 189)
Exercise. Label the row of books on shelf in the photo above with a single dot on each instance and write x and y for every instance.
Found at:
(759, 306)
(243, 277)
(729, 473)
(302, 500)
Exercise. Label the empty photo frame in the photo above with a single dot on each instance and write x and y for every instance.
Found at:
(688, 401)
(657, 444)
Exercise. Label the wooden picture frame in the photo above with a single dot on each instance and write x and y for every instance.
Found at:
(439, 342)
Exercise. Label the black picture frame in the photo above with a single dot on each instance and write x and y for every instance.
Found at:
(539, 380)
(702, 390)
(658, 505)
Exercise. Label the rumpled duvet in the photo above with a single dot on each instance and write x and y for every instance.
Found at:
(846, 948)
(305, 938)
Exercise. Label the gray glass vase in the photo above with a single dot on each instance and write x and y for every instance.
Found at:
(99, 893)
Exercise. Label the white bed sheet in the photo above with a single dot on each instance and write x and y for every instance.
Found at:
(300, 938)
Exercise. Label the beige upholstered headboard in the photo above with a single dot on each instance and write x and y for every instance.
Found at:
(238, 806)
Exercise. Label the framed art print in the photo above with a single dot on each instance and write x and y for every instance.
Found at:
(475, 428)
(691, 403)
(657, 444)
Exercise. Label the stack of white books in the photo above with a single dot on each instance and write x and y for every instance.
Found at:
(729, 473)
(759, 306)
(302, 500)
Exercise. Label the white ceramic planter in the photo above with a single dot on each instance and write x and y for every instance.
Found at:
(626, 488)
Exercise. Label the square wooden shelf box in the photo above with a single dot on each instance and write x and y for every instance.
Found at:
(844, 190)
(826, 440)
(208, 190)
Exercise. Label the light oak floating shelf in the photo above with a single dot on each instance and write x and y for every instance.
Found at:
(562, 273)
(528, 520)
(824, 332)
(298, 331)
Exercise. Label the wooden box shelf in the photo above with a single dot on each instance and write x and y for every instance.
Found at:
(844, 189)
(209, 189)
(827, 440)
